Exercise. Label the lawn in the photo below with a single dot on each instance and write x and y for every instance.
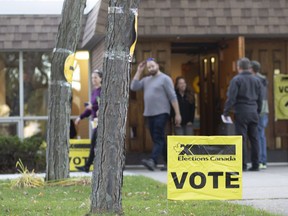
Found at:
(141, 196)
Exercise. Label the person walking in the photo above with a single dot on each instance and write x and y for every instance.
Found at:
(186, 101)
(245, 96)
(91, 110)
(158, 94)
(263, 117)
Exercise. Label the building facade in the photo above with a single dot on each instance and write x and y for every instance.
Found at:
(198, 39)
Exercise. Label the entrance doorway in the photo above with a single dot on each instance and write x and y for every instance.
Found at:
(210, 107)
(208, 67)
(199, 65)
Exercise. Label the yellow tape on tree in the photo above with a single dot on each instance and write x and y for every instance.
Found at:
(135, 35)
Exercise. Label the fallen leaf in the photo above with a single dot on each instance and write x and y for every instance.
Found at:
(163, 212)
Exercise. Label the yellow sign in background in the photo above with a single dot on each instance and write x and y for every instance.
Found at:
(281, 96)
(204, 167)
(79, 153)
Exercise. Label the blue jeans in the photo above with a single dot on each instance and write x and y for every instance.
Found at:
(157, 126)
(262, 124)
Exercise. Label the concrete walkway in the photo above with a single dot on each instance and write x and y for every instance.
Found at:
(266, 189)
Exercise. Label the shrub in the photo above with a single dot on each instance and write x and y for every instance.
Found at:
(8, 147)
(29, 150)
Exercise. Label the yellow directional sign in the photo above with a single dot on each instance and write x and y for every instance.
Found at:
(204, 167)
(281, 96)
(69, 67)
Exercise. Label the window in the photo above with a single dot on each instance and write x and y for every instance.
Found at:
(9, 88)
(36, 73)
(8, 129)
(24, 83)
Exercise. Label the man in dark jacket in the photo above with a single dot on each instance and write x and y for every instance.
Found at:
(245, 96)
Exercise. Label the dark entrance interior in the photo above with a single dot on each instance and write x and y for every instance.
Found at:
(202, 73)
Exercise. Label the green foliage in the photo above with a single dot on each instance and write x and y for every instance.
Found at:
(9, 144)
(8, 147)
(31, 144)
(30, 150)
(141, 196)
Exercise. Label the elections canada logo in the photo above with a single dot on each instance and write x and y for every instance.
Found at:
(205, 152)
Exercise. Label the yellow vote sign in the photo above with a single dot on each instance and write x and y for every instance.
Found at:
(79, 153)
(204, 168)
(281, 96)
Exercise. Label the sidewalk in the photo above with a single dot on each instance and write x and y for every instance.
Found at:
(266, 189)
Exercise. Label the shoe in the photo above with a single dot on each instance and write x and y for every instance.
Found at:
(253, 169)
(244, 167)
(149, 164)
(164, 168)
(262, 166)
(82, 168)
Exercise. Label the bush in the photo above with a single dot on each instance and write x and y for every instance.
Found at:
(30, 150)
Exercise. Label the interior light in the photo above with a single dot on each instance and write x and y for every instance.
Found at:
(32, 128)
(76, 86)
(76, 82)
(82, 55)
(76, 74)
(276, 71)
(212, 60)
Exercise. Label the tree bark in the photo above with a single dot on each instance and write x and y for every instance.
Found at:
(109, 155)
(69, 30)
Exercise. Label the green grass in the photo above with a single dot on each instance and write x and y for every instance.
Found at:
(146, 197)
(141, 197)
(58, 200)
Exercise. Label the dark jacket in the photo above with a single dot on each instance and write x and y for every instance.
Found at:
(187, 109)
(244, 94)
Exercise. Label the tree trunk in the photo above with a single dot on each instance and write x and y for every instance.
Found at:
(109, 155)
(57, 160)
